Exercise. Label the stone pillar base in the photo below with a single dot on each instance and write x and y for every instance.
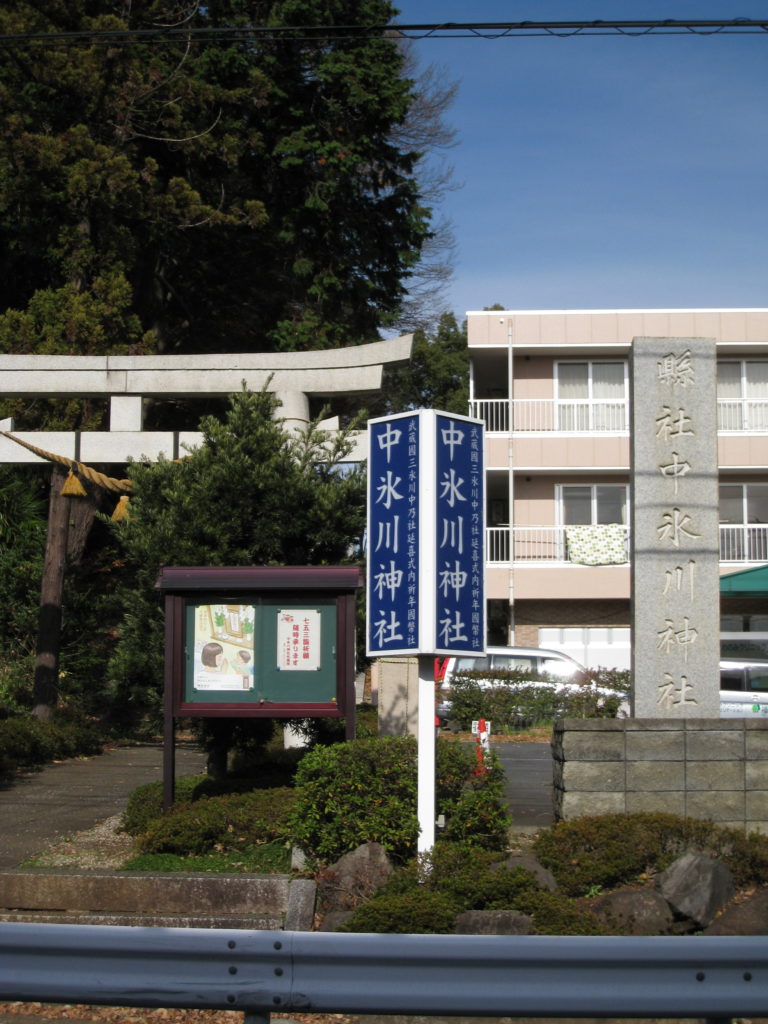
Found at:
(713, 769)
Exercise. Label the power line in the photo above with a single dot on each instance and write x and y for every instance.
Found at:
(669, 26)
(444, 30)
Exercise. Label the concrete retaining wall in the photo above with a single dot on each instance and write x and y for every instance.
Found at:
(153, 900)
(704, 768)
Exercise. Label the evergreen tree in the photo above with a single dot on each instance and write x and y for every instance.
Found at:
(251, 494)
(227, 194)
(437, 376)
(22, 540)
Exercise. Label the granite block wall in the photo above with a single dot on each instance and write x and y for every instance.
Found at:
(714, 769)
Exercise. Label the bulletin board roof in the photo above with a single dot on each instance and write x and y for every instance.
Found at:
(291, 577)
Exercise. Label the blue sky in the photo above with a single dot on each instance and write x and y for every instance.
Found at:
(606, 172)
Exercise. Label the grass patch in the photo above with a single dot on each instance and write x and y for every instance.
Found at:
(265, 859)
(541, 733)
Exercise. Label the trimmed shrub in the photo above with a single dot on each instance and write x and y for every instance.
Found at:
(357, 792)
(614, 849)
(145, 803)
(220, 823)
(365, 791)
(454, 765)
(478, 817)
(427, 897)
(414, 912)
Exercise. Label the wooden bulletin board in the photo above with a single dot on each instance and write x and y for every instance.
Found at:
(269, 642)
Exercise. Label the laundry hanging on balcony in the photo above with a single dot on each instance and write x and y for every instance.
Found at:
(599, 544)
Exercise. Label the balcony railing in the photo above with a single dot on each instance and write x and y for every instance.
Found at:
(746, 414)
(606, 546)
(744, 542)
(531, 415)
(494, 412)
(596, 545)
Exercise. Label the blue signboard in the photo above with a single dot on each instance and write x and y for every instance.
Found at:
(459, 597)
(393, 535)
(426, 528)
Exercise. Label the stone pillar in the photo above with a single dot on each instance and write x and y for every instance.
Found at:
(674, 529)
(397, 681)
(294, 409)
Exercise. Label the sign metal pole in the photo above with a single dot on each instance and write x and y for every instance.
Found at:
(426, 756)
(426, 533)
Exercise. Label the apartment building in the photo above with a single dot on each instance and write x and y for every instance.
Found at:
(553, 389)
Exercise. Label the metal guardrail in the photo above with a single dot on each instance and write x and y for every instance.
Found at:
(263, 972)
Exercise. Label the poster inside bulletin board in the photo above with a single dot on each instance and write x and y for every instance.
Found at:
(260, 651)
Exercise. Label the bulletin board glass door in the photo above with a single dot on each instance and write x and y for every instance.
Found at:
(256, 650)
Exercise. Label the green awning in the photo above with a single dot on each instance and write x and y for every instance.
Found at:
(746, 582)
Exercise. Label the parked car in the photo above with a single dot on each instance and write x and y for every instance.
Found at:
(536, 660)
(743, 688)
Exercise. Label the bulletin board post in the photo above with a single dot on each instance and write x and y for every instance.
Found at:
(426, 566)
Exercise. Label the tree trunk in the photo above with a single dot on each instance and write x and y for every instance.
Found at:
(45, 688)
(218, 740)
(69, 523)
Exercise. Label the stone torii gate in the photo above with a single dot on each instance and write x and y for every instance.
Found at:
(127, 381)
(294, 377)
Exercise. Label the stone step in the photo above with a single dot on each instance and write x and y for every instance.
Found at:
(77, 894)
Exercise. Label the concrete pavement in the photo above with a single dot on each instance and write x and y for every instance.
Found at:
(40, 809)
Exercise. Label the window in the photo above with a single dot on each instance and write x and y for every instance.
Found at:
(590, 504)
(742, 394)
(744, 522)
(591, 396)
(594, 519)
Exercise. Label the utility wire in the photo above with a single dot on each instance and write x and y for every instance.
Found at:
(444, 30)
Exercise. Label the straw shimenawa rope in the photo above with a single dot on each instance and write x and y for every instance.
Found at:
(109, 483)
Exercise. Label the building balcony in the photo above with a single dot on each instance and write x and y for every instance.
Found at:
(545, 415)
(604, 545)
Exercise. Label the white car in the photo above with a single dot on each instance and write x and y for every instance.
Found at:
(743, 688)
(536, 660)
(507, 659)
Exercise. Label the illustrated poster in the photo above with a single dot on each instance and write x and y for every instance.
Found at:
(224, 647)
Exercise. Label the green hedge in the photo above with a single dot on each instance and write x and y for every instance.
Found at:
(27, 742)
(514, 700)
(220, 823)
(146, 802)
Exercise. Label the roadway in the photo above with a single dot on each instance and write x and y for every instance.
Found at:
(528, 782)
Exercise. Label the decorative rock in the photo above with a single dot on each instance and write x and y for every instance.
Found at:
(544, 877)
(747, 918)
(354, 878)
(635, 911)
(493, 922)
(696, 886)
